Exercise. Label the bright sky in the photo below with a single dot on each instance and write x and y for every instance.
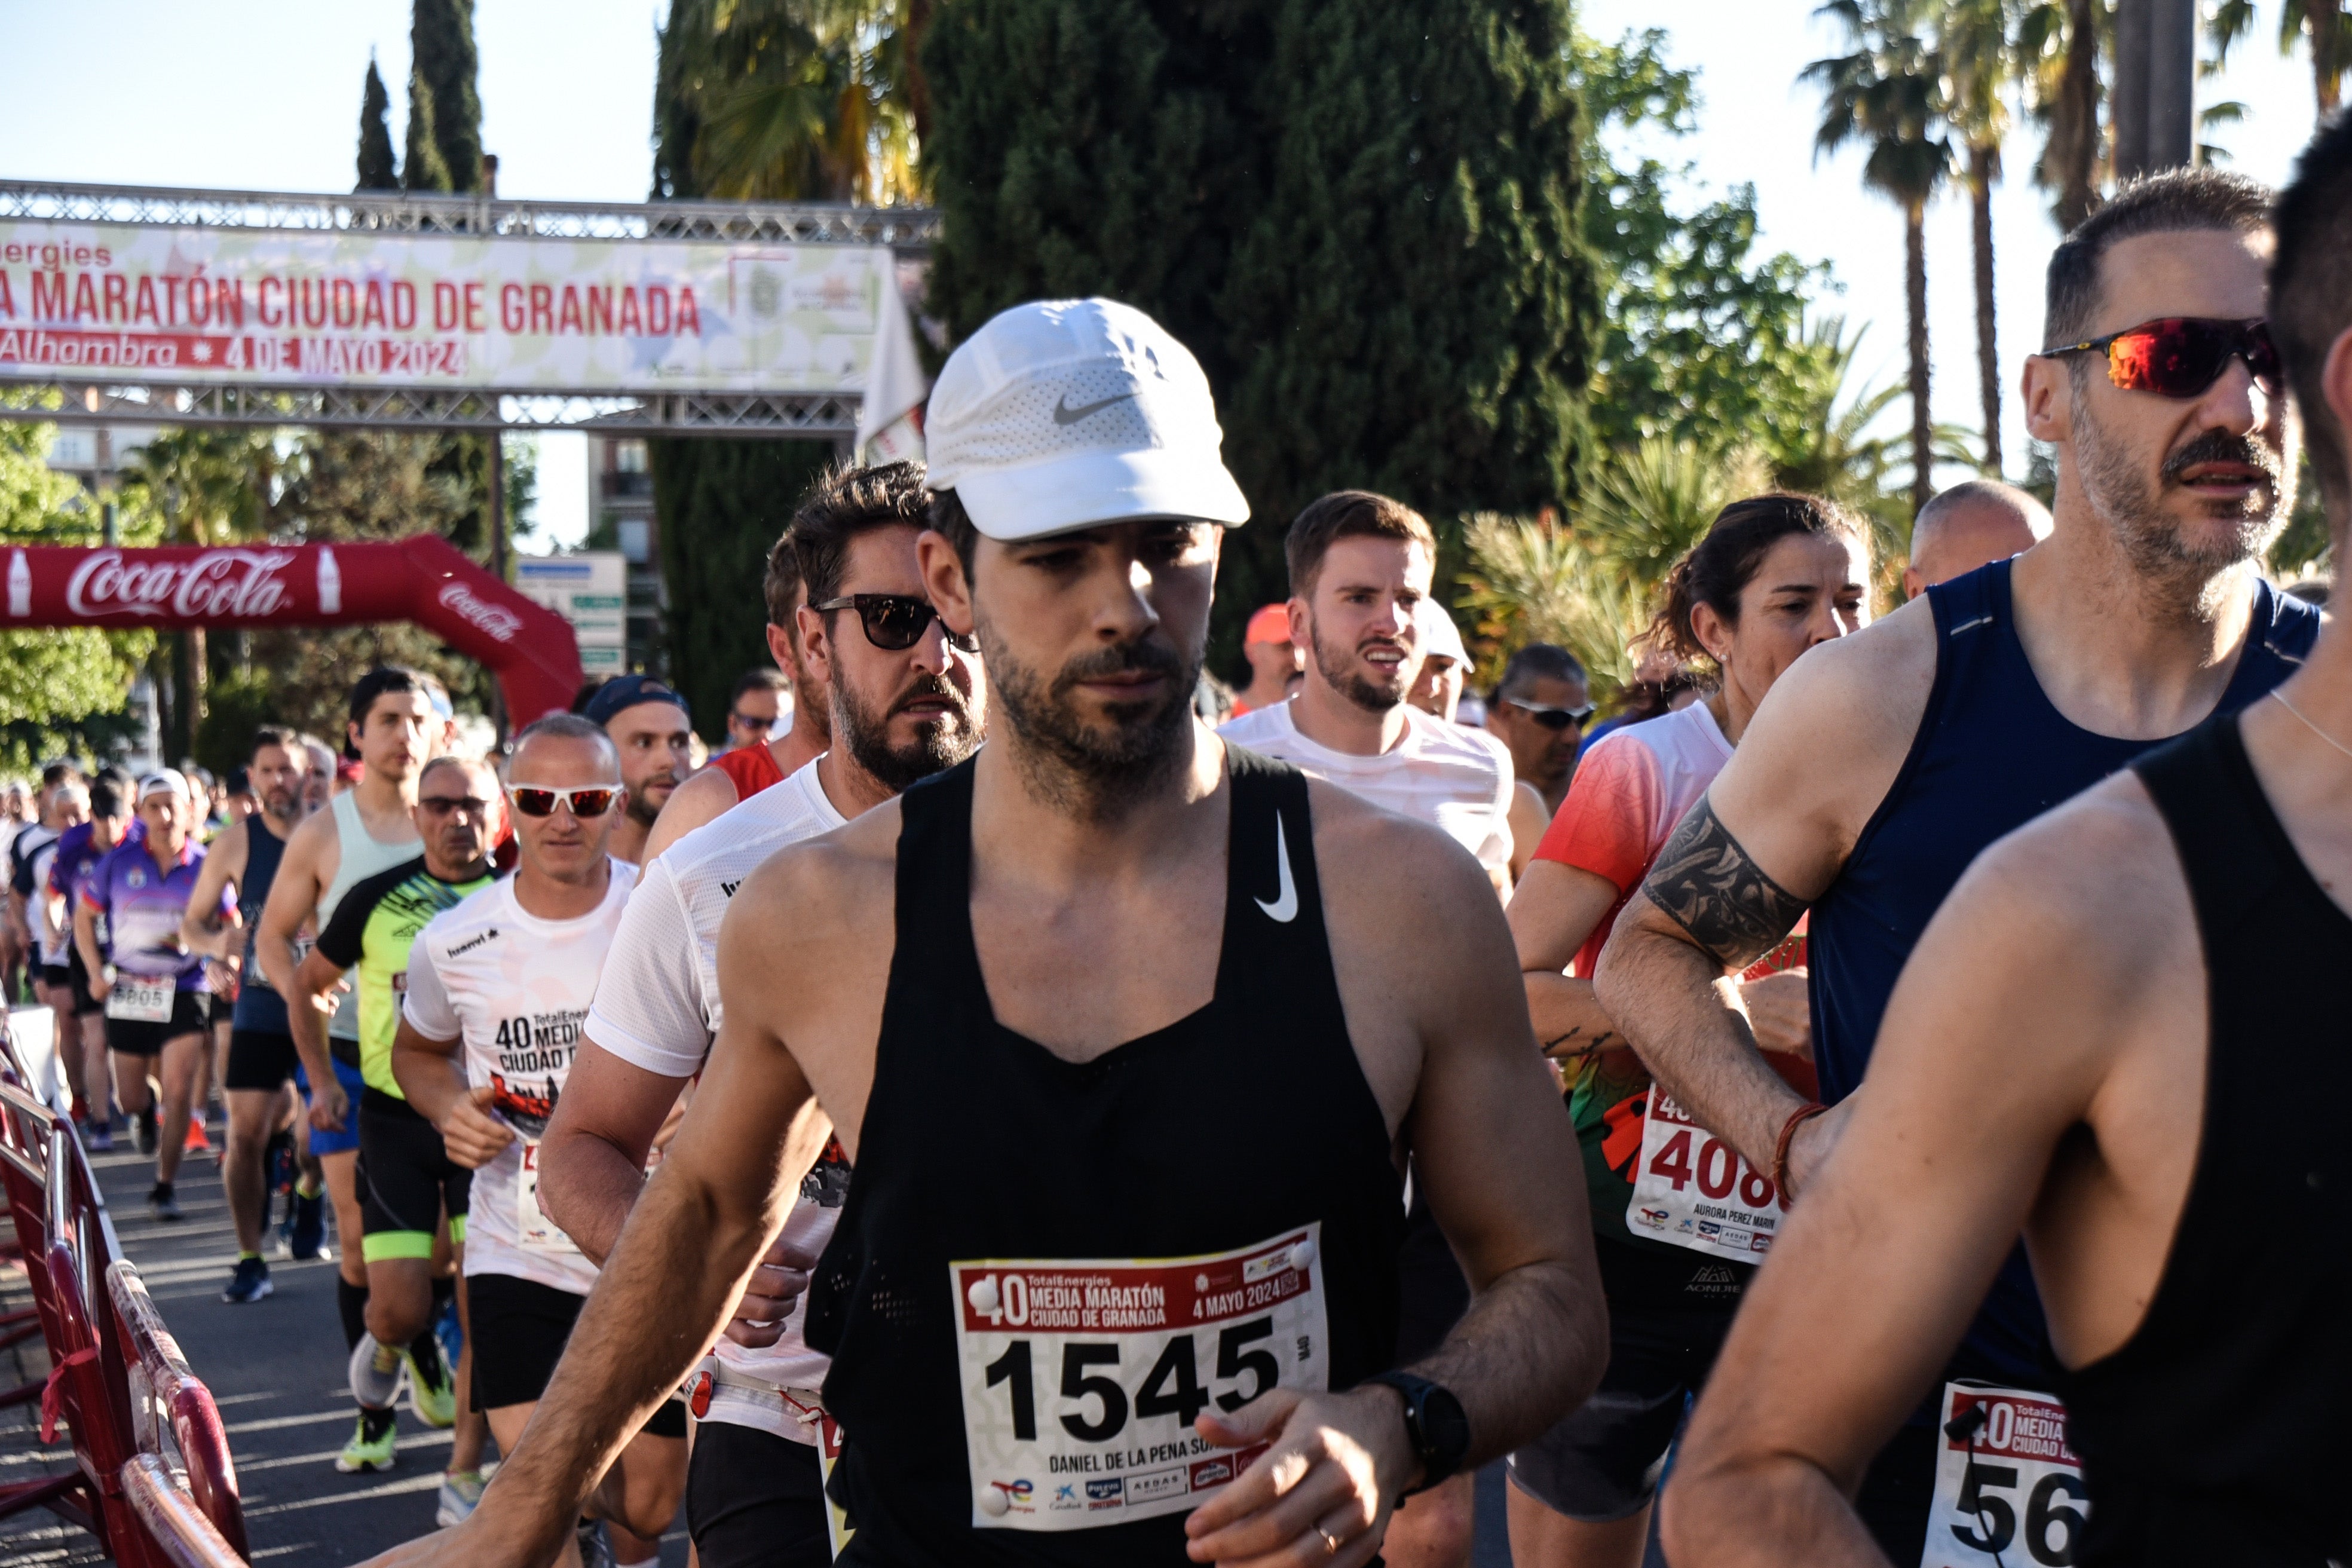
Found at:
(265, 94)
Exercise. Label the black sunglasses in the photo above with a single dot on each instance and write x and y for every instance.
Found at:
(895, 622)
(1553, 717)
(2180, 356)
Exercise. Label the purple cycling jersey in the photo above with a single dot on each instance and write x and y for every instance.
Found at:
(142, 905)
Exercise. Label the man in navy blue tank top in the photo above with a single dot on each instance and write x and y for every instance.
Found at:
(1128, 1033)
(2121, 1034)
(1884, 762)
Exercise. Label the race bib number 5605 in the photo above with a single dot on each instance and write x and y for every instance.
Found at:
(1082, 1378)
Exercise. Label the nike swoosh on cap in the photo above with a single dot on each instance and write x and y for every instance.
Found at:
(1065, 415)
(1285, 907)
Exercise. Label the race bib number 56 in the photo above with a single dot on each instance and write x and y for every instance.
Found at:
(2008, 1489)
(1082, 1378)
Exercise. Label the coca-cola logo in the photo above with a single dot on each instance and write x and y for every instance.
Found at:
(216, 584)
(496, 619)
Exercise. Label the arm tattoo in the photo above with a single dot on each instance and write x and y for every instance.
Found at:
(1562, 1047)
(1713, 889)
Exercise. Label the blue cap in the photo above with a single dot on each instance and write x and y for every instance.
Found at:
(627, 692)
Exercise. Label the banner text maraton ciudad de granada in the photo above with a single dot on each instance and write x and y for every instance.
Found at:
(299, 307)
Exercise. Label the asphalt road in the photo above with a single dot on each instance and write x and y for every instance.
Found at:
(276, 1369)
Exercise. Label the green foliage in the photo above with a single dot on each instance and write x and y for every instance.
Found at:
(376, 165)
(236, 706)
(786, 101)
(722, 504)
(349, 486)
(2322, 26)
(2303, 549)
(445, 108)
(1591, 584)
(1361, 217)
(1696, 335)
(61, 692)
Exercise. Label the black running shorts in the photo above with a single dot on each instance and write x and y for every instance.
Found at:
(407, 1181)
(1602, 1462)
(519, 1329)
(259, 1060)
(74, 978)
(754, 1500)
(191, 1015)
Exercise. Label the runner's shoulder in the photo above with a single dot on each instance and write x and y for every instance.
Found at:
(841, 871)
(699, 800)
(1830, 737)
(1365, 851)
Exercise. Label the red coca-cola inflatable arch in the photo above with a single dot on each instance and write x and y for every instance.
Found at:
(425, 580)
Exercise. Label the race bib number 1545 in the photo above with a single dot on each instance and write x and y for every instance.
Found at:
(1082, 1378)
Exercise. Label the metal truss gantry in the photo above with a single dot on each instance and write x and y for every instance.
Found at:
(908, 231)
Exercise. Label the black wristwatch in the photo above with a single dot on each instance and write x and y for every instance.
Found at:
(1435, 1425)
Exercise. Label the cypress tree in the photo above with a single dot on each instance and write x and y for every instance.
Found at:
(376, 165)
(445, 154)
(1362, 215)
(444, 106)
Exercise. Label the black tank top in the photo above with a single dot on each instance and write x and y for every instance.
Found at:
(258, 1005)
(2218, 1433)
(1246, 1120)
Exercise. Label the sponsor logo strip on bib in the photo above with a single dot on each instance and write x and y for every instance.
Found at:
(2009, 1491)
(1082, 1378)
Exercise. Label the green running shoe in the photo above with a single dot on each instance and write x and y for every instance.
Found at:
(432, 1391)
(366, 1452)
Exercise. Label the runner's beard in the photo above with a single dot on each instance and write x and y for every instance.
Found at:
(1094, 769)
(2155, 544)
(940, 744)
(1347, 676)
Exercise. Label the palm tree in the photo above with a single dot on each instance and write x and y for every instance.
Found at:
(1888, 95)
(1976, 43)
(1591, 582)
(791, 99)
(2325, 24)
(2058, 53)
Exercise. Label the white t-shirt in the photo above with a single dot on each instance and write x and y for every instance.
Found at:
(1439, 772)
(657, 1008)
(516, 988)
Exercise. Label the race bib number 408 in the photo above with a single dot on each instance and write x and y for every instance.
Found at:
(2009, 1491)
(1082, 1378)
(1693, 1189)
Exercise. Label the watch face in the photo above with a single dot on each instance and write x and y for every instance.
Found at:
(1443, 1426)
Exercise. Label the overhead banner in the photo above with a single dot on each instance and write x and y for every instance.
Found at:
(348, 307)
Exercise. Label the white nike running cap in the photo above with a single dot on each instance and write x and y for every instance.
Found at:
(1439, 635)
(1061, 414)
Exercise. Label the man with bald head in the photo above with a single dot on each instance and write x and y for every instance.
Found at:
(1970, 524)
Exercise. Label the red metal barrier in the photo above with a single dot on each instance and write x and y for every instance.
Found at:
(119, 1383)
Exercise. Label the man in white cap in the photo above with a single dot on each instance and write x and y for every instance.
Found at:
(1444, 664)
(1124, 1089)
(158, 994)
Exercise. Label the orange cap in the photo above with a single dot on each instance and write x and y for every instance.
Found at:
(1271, 623)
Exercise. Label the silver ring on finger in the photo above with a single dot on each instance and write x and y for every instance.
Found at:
(1330, 1540)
